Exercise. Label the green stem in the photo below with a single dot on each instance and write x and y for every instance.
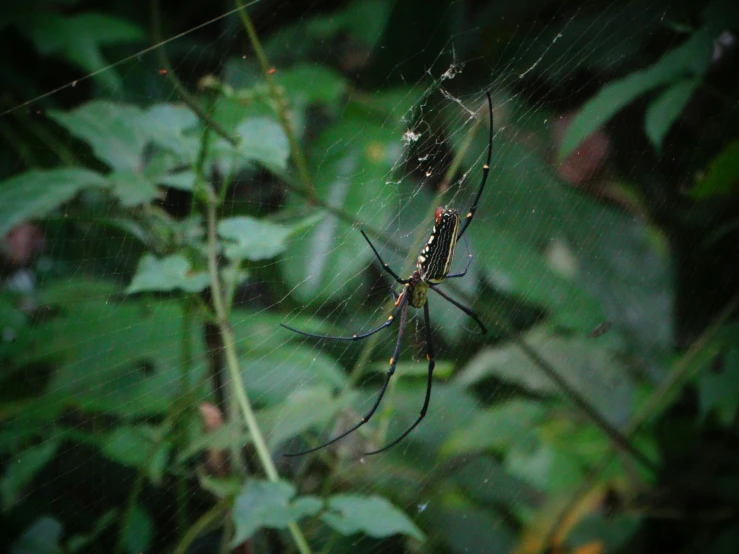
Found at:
(197, 529)
(187, 98)
(279, 98)
(232, 364)
(138, 485)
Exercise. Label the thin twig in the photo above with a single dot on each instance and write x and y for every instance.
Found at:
(279, 98)
(232, 363)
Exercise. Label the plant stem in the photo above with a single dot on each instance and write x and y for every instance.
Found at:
(138, 485)
(205, 521)
(279, 98)
(232, 363)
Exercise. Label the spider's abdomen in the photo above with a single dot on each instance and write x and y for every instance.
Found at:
(436, 258)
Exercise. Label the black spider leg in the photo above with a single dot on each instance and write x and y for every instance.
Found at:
(429, 381)
(390, 320)
(469, 261)
(485, 171)
(385, 266)
(388, 376)
(465, 309)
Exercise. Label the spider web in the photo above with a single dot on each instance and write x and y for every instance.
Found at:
(113, 417)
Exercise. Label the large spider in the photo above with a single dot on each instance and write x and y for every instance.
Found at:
(432, 268)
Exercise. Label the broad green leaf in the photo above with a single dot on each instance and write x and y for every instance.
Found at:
(132, 188)
(116, 132)
(718, 380)
(372, 515)
(465, 528)
(222, 438)
(442, 370)
(353, 160)
(583, 261)
(612, 531)
(22, 468)
(544, 466)
(594, 371)
(665, 109)
(139, 531)
(692, 58)
(168, 126)
(122, 358)
(261, 140)
(43, 536)
(78, 542)
(485, 480)
(252, 239)
(718, 390)
(78, 39)
(306, 408)
(722, 175)
(271, 376)
(312, 84)
(496, 428)
(182, 180)
(141, 447)
(167, 274)
(36, 193)
(267, 504)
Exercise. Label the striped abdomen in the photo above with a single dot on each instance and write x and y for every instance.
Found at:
(436, 258)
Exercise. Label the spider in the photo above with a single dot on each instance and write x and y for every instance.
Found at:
(433, 265)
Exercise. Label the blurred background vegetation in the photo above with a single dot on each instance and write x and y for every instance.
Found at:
(179, 178)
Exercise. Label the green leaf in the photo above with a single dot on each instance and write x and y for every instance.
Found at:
(139, 531)
(353, 174)
(371, 515)
(692, 58)
(593, 370)
(260, 139)
(116, 132)
(311, 84)
(132, 188)
(167, 125)
(78, 39)
(120, 358)
(21, 470)
(36, 193)
(78, 542)
(718, 384)
(182, 180)
(466, 528)
(267, 504)
(722, 177)
(41, 537)
(664, 110)
(166, 275)
(485, 480)
(306, 408)
(141, 447)
(275, 375)
(496, 428)
(252, 239)
(442, 370)
(544, 466)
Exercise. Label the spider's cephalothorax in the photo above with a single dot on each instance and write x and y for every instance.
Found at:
(432, 268)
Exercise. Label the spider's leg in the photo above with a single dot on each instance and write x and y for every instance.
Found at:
(465, 309)
(485, 171)
(390, 320)
(432, 362)
(385, 266)
(388, 376)
(469, 261)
